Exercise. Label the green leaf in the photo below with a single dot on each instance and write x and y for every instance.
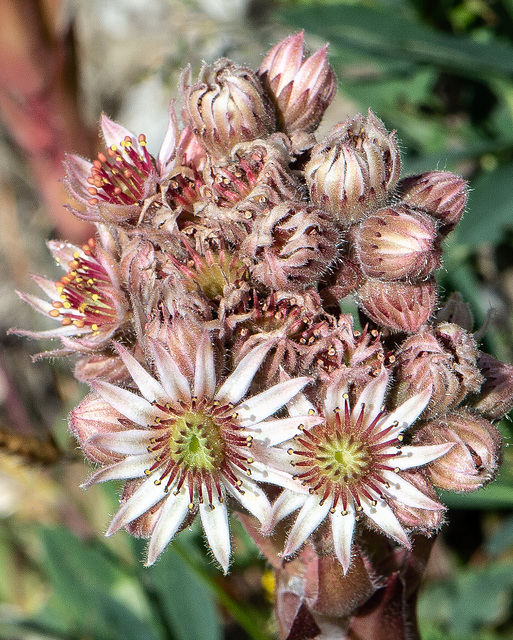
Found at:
(186, 601)
(490, 207)
(388, 34)
(91, 594)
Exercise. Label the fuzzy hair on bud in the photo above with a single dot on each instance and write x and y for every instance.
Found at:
(226, 106)
(301, 87)
(397, 243)
(351, 172)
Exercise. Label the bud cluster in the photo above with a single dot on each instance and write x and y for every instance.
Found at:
(210, 300)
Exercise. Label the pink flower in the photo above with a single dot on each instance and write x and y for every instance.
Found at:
(187, 444)
(350, 466)
(88, 301)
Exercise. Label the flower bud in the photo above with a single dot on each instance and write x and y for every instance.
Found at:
(442, 361)
(301, 87)
(399, 306)
(397, 243)
(294, 244)
(496, 396)
(226, 106)
(350, 173)
(439, 193)
(475, 457)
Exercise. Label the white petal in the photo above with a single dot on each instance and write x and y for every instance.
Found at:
(342, 527)
(146, 497)
(300, 406)
(253, 498)
(168, 148)
(114, 133)
(406, 414)
(402, 491)
(148, 386)
(173, 513)
(172, 379)
(384, 517)
(204, 371)
(264, 404)
(215, 525)
(277, 431)
(127, 403)
(236, 385)
(130, 442)
(286, 503)
(334, 397)
(48, 286)
(372, 396)
(127, 469)
(62, 251)
(262, 473)
(309, 518)
(416, 456)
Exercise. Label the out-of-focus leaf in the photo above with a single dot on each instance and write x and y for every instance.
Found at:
(91, 595)
(501, 540)
(468, 601)
(186, 601)
(497, 495)
(388, 34)
(490, 207)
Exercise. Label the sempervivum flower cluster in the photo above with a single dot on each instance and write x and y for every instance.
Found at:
(206, 318)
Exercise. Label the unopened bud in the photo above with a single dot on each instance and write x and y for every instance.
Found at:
(444, 360)
(475, 457)
(399, 306)
(301, 87)
(226, 106)
(495, 398)
(351, 172)
(439, 193)
(397, 243)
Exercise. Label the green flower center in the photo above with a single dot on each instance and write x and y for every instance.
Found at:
(196, 442)
(343, 459)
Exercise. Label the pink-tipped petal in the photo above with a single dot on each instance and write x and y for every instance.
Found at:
(236, 385)
(204, 372)
(128, 404)
(172, 379)
(148, 386)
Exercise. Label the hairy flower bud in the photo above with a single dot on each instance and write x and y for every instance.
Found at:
(351, 172)
(293, 244)
(439, 193)
(399, 306)
(444, 360)
(226, 106)
(301, 87)
(496, 396)
(397, 243)
(475, 457)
